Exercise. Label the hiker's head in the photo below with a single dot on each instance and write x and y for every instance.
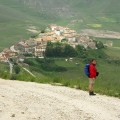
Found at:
(93, 61)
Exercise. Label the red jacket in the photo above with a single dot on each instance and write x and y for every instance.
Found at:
(92, 70)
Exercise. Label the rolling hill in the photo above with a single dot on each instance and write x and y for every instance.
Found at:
(16, 16)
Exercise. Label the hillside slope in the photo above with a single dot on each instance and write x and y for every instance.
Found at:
(16, 16)
(28, 101)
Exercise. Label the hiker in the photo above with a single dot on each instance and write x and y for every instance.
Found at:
(92, 76)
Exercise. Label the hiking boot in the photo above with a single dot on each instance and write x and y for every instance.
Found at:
(92, 93)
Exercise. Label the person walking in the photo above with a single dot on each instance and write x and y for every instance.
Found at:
(92, 76)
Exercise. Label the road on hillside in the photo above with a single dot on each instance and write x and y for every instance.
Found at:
(32, 101)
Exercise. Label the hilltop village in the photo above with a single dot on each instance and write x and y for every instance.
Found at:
(37, 46)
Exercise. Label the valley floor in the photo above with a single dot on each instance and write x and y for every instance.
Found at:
(32, 101)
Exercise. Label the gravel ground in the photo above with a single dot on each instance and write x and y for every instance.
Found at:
(32, 101)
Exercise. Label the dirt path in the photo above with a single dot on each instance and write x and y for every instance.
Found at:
(32, 101)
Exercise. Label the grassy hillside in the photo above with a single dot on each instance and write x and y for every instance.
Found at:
(107, 82)
(17, 15)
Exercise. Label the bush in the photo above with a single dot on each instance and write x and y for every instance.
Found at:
(28, 55)
(17, 69)
(99, 45)
(13, 77)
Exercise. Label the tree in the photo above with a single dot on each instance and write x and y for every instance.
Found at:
(17, 69)
(53, 49)
(49, 49)
(64, 40)
(59, 50)
(81, 51)
(42, 31)
(69, 51)
(99, 45)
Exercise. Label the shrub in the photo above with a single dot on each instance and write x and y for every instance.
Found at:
(17, 69)
(13, 77)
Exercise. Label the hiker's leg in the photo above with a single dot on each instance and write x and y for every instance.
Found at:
(91, 87)
(91, 84)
